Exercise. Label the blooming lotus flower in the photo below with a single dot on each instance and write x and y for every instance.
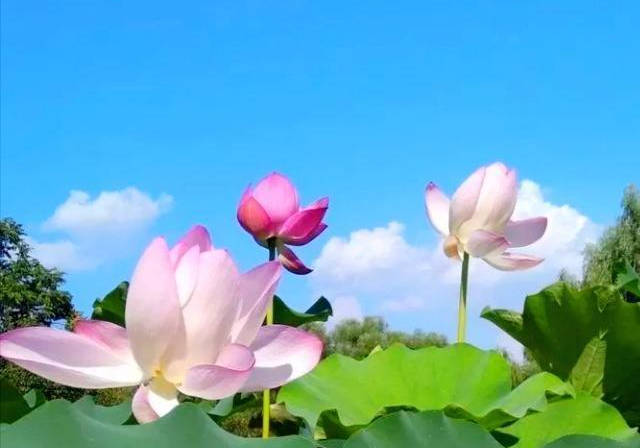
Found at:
(477, 220)
(271, 210)
(193, 325)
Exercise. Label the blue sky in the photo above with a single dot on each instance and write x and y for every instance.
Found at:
(362, 101)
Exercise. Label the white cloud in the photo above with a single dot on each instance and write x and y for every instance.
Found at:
(98, 229)
(62, 254)
(416, 286)
(111, 210)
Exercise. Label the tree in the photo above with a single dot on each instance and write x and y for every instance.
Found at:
(619, 244)
(357, 339)
(29, 292)
(29, 295)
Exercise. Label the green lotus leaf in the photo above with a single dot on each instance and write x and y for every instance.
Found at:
(430, 429)
(561, 321)
(585, 415)
(58, 423)
(111, 307)
(461, 379)
(320, 311)
(115, 415)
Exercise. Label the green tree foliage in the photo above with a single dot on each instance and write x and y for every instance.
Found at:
(357, 339)
(29, 292)
(29, 295)
(620, 244)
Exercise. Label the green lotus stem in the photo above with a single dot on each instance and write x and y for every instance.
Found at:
(462, 305)
(266, 394)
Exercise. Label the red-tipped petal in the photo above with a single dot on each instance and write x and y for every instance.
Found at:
(291, 262)
(254, 219)
(196, 236)
(310, 237)
(303, 224)
(278, 197)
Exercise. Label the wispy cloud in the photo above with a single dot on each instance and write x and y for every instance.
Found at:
(97, 229)
(416, 286)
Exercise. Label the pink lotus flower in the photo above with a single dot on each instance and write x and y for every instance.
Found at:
(477, 220)
(271, 211)
(193, 325)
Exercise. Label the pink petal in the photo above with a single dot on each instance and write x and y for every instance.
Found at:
(209, 315)
(140, 406)
(497, 199)
(278, 197)
(512, 262)
(154, 400)
(465, 199)
(291, 262)
(482, 243)
(110, 335)
(220, 380)
(437, 208)
(254, 219)
(255, 293)
(153, 315)
(310, 237)
(525, 232)
(282, 354)
(197, 236)
(299, 226)
(187, 274)
(67, 358)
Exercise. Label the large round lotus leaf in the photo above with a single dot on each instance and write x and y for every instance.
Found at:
(60, 424)
(464, 380)
(431, 429)
(583, 415)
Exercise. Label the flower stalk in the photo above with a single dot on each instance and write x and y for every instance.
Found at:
(266, 394)
(462, 305)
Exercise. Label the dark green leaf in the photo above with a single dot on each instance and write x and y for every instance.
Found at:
(12, 404)
(588, 372)
(627, 279)
(561, 320)
(111, 307)
(510, 321)
(319, 311)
